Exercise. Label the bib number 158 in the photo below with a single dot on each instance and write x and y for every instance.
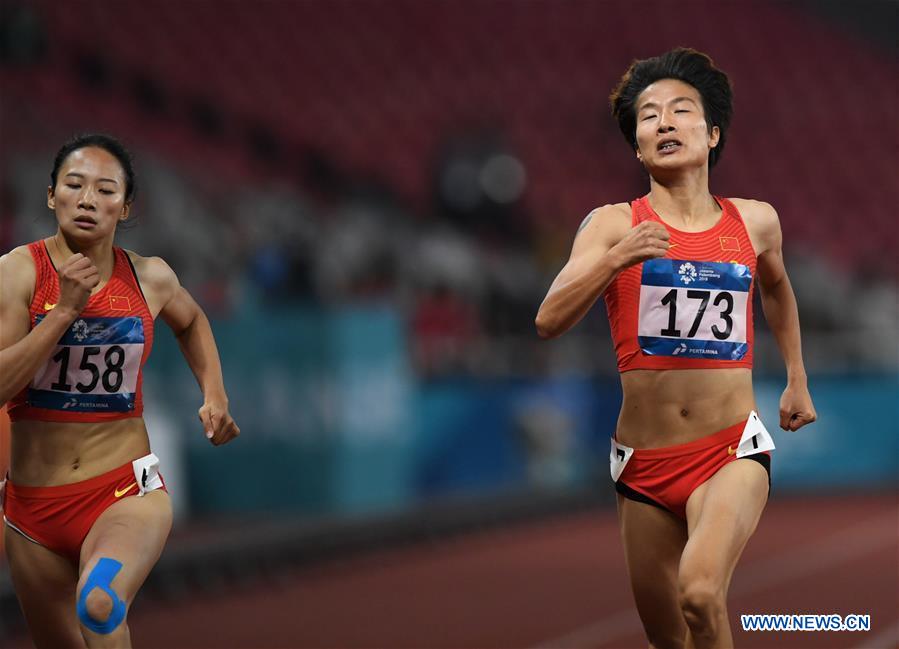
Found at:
(110, 374)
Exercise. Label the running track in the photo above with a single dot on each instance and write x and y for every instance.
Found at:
(556, 583)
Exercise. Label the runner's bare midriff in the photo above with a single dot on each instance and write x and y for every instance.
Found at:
(48, 454)
(669, 407)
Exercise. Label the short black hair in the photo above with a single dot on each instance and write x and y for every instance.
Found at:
(684, 64)
(101, 141)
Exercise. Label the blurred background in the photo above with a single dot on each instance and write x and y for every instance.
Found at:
(370, 199)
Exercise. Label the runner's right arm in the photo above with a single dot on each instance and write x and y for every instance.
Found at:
(24, 350)
(605, 245)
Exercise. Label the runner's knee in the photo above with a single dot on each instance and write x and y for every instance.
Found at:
(99, 607)
(702, 603)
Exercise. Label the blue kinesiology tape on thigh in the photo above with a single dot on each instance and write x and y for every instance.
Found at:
(101, 577)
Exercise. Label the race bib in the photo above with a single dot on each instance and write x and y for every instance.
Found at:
(693, 309)
(94, 367)
(755, 437)
(619, 456)
(146, 473)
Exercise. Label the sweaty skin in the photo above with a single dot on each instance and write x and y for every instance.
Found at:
(53, 453)
(89, 199)
(660, 407)
(680, 570)
(667, 407)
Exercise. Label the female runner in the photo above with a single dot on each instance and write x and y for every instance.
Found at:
(86, 510)
(677, 269)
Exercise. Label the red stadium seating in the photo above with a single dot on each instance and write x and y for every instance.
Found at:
(379, 85)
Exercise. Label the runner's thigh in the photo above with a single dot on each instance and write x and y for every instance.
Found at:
(45, 585)
(653, 542)
(133, 532)
(722, 514)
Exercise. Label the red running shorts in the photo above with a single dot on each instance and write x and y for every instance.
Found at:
(665, 477)
(60, 517)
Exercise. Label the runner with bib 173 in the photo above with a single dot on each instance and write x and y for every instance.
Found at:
(677, 269)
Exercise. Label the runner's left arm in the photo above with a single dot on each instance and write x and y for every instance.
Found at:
(782, 314)
(191, 327)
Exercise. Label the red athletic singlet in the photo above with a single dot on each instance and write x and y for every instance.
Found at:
(691, 309)
(96, 371)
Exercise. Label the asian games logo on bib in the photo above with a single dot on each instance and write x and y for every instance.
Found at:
(80, 330)
(687, 272)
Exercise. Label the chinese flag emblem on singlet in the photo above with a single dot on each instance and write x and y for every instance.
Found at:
(119, 303)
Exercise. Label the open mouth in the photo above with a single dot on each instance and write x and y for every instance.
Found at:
(668, 146)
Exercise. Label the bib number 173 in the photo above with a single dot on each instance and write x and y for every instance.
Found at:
(720, 330)
(694, 309)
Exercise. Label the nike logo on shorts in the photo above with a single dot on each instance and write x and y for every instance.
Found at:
(121, 492)
(731, 451)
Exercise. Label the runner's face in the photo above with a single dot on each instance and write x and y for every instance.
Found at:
(671, 129)
(89, 197)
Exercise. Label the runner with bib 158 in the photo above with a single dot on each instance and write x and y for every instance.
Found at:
(86, 509)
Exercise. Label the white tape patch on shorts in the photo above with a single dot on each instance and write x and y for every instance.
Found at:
(755, 438)
(146, 472)
(618, 458)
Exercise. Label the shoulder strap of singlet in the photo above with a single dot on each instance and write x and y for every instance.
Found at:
(730, 210)
(41, 256)
(640, 211)
(129, 271)
(44, 270)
